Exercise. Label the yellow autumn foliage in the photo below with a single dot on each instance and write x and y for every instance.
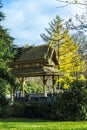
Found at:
(60, 80)
(69, 60)
(81, 77)
(66, 86)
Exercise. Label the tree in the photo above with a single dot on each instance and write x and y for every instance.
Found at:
(1, 14)
(69, 61)
(33, 88)
(79, 27)
(6, 52)
(71, 2)
(78, 24)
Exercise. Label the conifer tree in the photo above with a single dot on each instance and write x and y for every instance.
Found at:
(6, 53)
(69, 61)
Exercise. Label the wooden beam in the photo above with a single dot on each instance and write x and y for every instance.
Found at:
(22, 81)
(44, 86)
(54, 82)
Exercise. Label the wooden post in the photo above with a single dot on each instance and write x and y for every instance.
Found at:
(44, 86)
(54, 81)
(12, 93)
(22, 79)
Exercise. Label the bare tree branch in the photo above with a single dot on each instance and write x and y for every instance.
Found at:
(77, 3)
(63, 5)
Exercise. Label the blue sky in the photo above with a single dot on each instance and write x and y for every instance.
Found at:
(26, 19)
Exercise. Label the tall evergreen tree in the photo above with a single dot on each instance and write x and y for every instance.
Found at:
(69, 61)
(1, 14)
(6, 53)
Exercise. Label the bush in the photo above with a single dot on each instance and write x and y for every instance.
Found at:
(37, 110)
(72, 103)
(5, 109)
(17, 109)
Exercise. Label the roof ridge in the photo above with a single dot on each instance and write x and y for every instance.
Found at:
(41, 45)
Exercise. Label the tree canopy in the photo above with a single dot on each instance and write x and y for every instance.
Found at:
(69, 60)
(6, 52)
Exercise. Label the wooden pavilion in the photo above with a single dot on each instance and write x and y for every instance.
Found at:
(36, 61)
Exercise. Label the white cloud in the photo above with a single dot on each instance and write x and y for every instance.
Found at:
(27, 19)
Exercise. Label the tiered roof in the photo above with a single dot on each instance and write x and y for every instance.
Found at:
(36, 61)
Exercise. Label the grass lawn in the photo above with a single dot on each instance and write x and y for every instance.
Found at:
(31, 124)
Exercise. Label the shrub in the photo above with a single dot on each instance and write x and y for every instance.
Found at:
(72, 103)
(37, 110)
(5, 109)
(17, 109)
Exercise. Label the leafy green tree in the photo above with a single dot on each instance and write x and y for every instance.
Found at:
(6, 52)
(32, 88)
(1, 14)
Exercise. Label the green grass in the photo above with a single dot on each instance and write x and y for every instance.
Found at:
(31, 124)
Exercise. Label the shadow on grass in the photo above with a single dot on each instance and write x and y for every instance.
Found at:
(22, 120)
(14, 119)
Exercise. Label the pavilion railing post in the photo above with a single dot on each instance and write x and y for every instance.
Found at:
(12, 93)
(54, 82)
(22, 80)
(44, 86)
